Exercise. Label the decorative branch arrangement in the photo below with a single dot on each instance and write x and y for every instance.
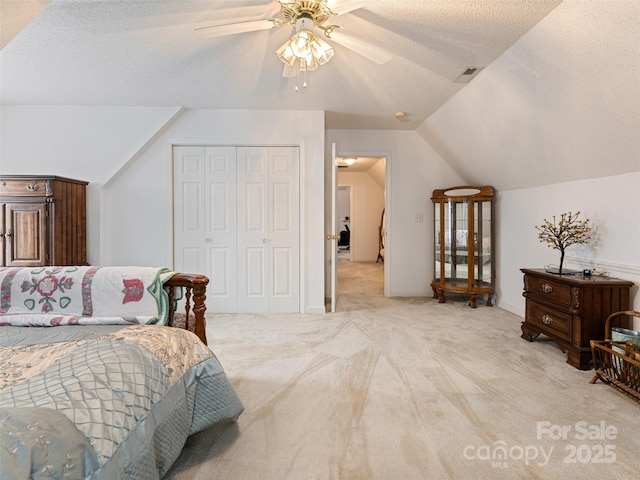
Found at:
(568, 231)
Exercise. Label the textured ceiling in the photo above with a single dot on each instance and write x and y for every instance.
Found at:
(145, 53)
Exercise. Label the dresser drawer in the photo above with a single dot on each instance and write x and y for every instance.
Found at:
(548, 290)
(23, 188)
(548, 320)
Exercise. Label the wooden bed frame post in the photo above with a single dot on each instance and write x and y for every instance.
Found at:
(195, 288)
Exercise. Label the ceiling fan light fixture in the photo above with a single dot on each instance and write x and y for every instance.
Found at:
(304, 46)
(301, 43)
(321, 50)
(308, 63)
(285, 54)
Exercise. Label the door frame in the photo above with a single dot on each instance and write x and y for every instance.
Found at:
(190, 142)
(388, 204)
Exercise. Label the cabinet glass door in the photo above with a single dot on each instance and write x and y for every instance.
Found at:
(457, 256)
(482, 243)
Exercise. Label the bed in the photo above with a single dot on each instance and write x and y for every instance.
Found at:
(103, 397)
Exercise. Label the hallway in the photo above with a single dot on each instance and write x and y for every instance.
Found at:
(361, 287)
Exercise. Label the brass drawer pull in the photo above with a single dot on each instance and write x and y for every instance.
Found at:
(547, 320)
(33, 187)
(546, 288)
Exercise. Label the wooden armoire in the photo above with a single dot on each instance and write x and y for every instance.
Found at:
(42, 221)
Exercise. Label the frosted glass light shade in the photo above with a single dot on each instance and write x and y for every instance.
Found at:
(306, 47)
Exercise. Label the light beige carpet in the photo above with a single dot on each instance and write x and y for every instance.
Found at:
(407, 389)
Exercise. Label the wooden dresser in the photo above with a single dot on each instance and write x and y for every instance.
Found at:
(571, 309)
(42, 221)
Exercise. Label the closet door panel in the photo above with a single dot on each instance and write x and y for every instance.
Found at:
(282, 265)
(237, 218)
(253, 236)
(255, 262)
(220, 238)
(204, 216)
(284, 229)
(189, 205)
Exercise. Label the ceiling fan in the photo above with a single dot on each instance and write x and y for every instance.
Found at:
(305, 51)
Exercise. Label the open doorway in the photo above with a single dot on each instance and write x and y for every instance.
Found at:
(360, 201)
(343, 220)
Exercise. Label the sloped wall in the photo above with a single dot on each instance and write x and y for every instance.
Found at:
(139, 218)
(553, 125)
(87, 143)
(125, 154)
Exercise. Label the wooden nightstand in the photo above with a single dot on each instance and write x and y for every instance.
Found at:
(571, 309)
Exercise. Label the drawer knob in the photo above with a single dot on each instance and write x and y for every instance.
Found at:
(33, 187)
(546, 288)
(547, 320)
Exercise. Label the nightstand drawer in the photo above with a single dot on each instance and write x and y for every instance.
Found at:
(548, 290)
(549, 321)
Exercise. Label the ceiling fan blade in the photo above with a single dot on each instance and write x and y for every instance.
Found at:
(213, 31)
(346, 6)
(368, 50)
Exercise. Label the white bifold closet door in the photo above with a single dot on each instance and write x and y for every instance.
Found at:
(236, 219)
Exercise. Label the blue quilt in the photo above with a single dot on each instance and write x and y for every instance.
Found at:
(105, 402)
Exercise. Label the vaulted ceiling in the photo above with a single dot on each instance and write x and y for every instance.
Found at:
(146, 53)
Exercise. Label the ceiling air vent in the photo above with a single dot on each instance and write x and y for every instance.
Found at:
(467, 75)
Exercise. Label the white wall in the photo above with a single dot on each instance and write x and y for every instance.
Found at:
(610, 203)
(562, 104)
(126, 155)
(414, 170)
(564, 99)
(149, 223)
(87, 143)
(368, 202)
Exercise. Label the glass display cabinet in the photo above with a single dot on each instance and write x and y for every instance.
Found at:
(463, 240)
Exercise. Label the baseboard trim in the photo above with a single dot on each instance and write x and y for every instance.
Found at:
(516, 310)
(316, 310)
